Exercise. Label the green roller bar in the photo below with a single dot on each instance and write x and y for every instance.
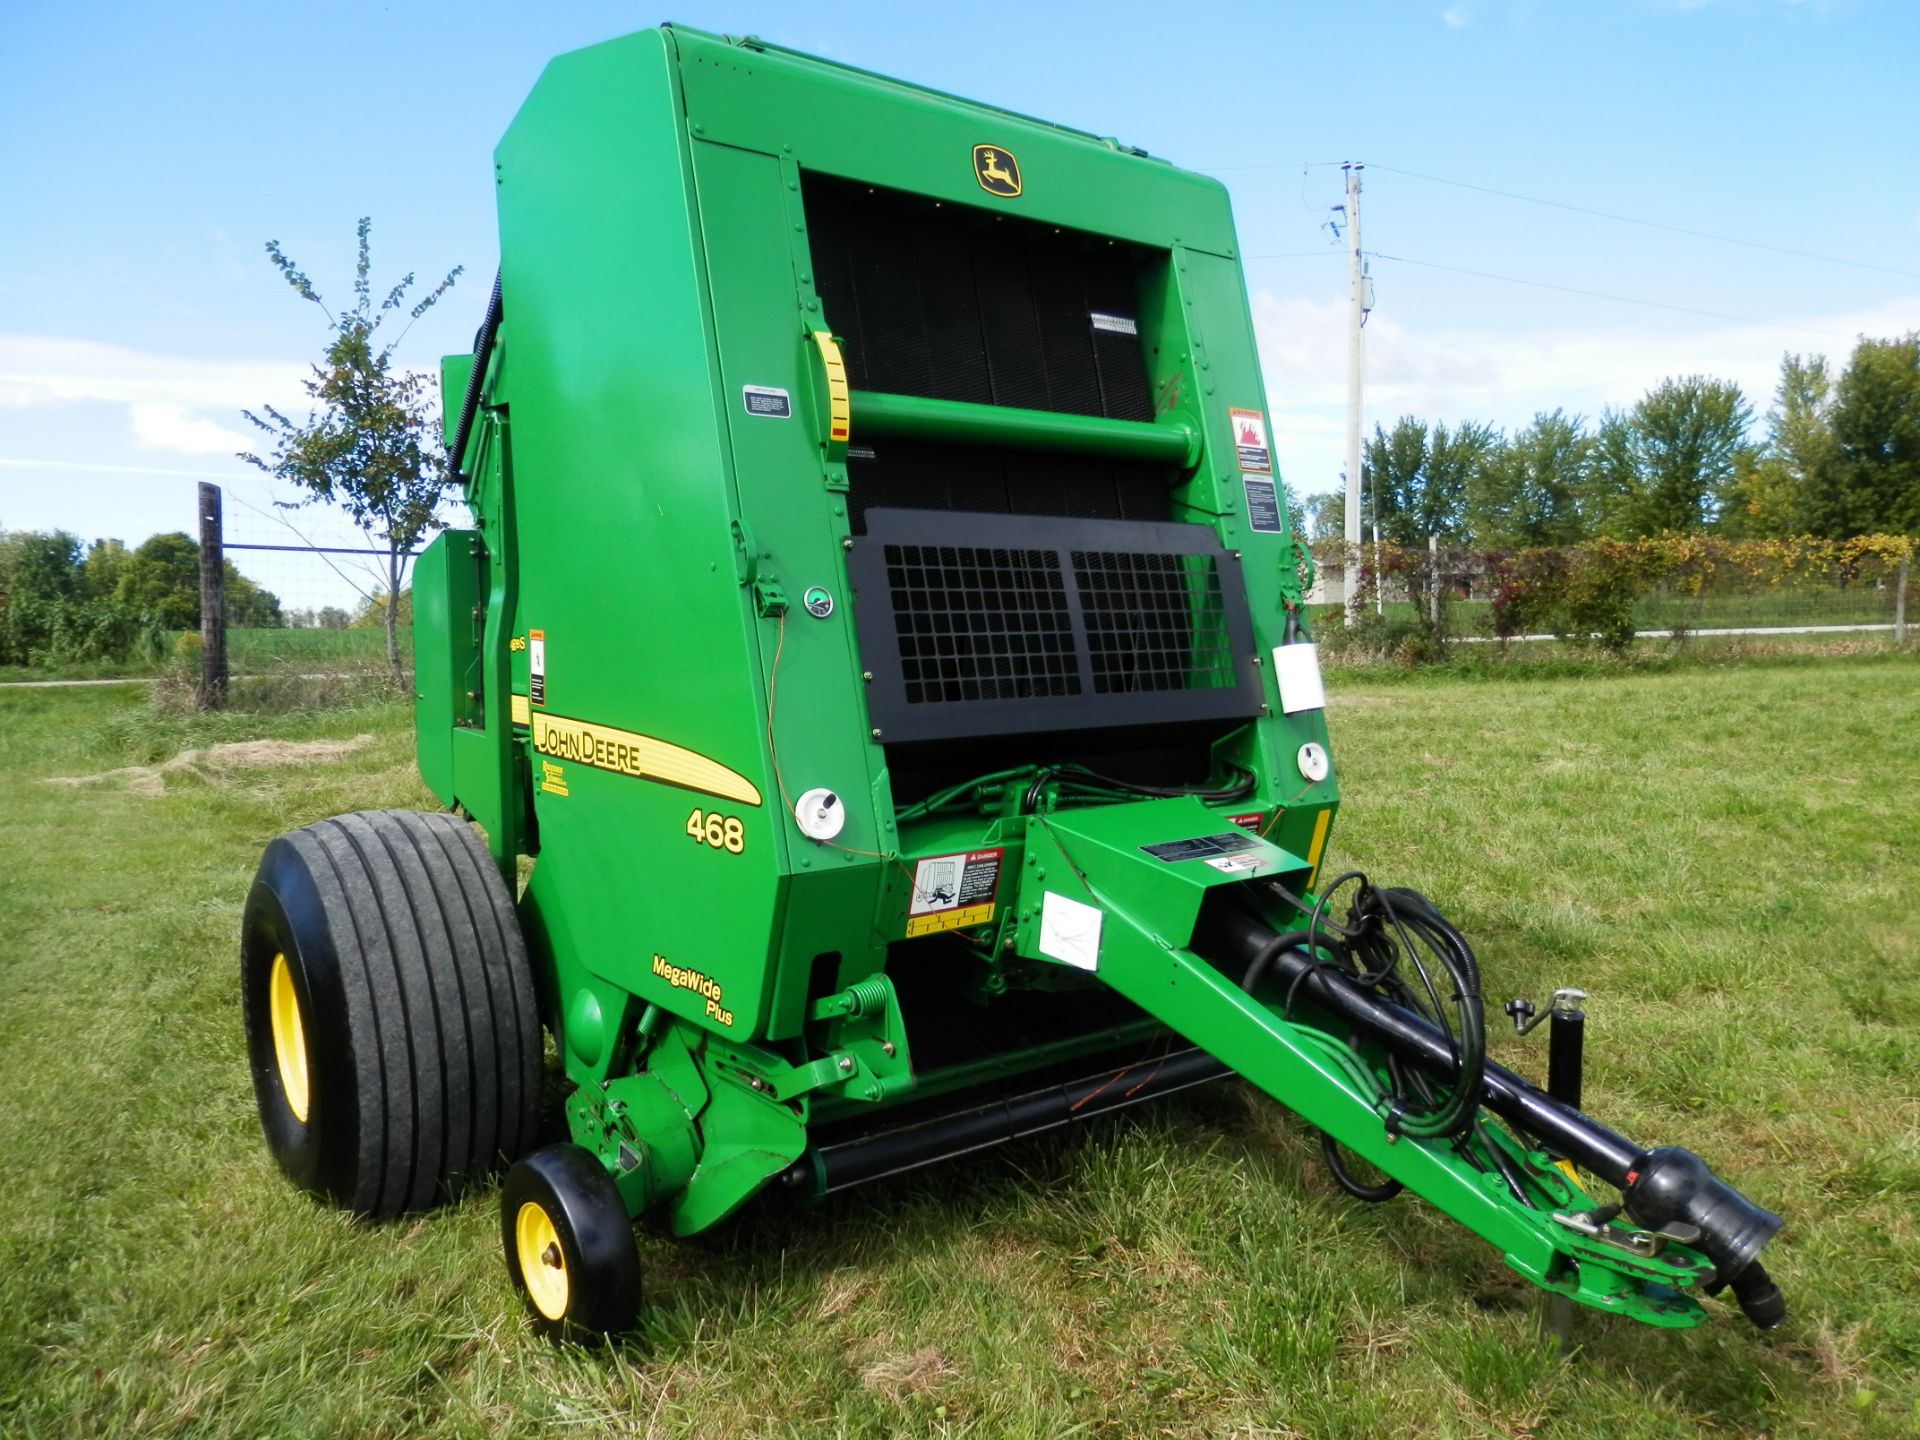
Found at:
(913, 417)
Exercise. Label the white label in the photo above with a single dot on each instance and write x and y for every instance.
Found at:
(1297, 668)
(1236, 864)
(1070, 931)
(1115, 324)
(537, 666)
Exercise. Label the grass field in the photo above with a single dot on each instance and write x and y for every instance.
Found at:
(1726, 857)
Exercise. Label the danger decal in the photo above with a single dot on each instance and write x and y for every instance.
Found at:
(951, 891)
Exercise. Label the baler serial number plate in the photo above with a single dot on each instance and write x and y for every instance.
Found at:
(1203, 848)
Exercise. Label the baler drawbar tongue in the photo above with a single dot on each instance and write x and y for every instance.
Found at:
(1143, 925)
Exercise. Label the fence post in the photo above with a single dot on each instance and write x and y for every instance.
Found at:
(1900, 600)
(1433, 581)
(213, 603)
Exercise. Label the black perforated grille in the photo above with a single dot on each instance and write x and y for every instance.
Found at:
(954, 303)
(975, 625)
(1154, 621)
(978, 623)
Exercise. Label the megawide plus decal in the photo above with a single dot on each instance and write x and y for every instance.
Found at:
(705, 986)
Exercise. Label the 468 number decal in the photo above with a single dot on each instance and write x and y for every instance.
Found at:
(722, 832)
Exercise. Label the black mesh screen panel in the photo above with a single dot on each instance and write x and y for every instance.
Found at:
(978, 624)
(955, 303)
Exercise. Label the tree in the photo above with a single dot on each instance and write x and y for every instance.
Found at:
(39, 565)
(1532, 491)
(1684, 443)
(162, 578)
(1415, 478)
(50, 608)
(1326, 515)
(1874, 472)
(1777, 494)
(100, 571)
(370, 445)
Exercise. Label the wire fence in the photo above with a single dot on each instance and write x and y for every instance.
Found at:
(1616, 591)
(291, 611)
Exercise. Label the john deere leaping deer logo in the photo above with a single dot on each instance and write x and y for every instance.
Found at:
(996, 170)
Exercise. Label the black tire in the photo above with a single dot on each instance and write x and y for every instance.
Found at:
(420, 1043)
(590, 1288)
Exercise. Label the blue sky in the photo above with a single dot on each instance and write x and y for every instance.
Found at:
(151, 150)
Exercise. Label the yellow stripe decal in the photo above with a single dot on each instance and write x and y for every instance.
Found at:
(641, 756)
(839, 410)
(520, 710)
(1319, 843)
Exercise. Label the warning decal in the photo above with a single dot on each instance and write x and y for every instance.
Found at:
(537, 666)
(950, 891)
(1250, 439)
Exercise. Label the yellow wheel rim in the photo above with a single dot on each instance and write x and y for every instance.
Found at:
(543, 1264)
(289, 1037)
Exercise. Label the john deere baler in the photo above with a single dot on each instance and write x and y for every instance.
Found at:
(883, 637)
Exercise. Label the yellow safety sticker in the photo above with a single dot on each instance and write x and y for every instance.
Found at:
(948, 920)
(521, 711)
(839, 408)
(1316, 845)
(641, 756)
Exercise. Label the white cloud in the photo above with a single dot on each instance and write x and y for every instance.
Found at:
(168, 427)
(172, 403)
(1456, 17)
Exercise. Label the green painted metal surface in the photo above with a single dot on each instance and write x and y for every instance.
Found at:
(645, 653)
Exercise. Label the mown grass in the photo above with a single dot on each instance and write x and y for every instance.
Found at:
(1724, 856)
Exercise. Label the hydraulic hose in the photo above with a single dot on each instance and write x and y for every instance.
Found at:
(476, 383)
(1659, 1187)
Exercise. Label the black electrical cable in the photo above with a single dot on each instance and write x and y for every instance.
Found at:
(1359, 1189)
(1081, 778)
(1384, 927)
(476, 381)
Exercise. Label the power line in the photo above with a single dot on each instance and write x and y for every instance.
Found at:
(1603, 295)
(1651, 224)
(1294, 165)
(1588, 210)
(1293, 255)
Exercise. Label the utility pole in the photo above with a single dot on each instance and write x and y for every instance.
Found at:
(1356, 371)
